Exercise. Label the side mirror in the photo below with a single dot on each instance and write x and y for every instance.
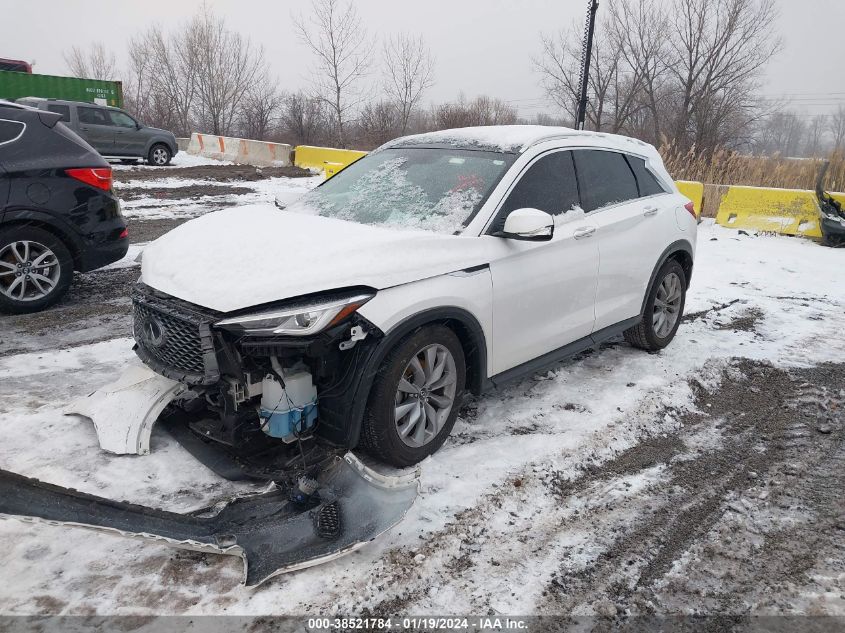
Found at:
(528, 224)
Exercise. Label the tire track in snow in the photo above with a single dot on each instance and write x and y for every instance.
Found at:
(608, 539)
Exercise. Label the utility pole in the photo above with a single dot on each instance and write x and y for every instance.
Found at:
(586, 53)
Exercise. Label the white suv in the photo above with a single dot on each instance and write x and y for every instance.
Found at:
(440, 264)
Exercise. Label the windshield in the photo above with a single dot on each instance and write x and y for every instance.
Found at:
(436, 190)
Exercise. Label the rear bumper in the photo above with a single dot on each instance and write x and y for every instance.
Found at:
(96, 254)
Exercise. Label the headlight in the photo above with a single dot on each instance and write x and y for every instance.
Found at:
(298, 320)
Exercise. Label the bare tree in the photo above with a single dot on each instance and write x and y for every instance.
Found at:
(719, 48)
(639, 30)
(378, 123)
(408, 73)
(341, 48)
(91, 62)
(837, 128)
(259, 112)
(226, 66)
(482, 110)
(815, 136)
(163, 73)
(613, 85)
(781, 133)
(302, 119)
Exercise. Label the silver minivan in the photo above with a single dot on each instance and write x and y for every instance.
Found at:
(111, 131)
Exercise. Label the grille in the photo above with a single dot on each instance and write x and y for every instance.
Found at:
(174, 342)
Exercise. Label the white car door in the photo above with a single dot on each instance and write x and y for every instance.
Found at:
(543, 292)
(631, 230)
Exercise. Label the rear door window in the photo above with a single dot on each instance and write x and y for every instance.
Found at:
(121, 119)
(60, 109)
(10, 130)
(93, 116)
(548, 185)
(646, 182)
(604, 178)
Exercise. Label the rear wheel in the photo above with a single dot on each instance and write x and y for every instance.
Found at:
(36, 269)
(159, 155)
(415, 397)
(663, 309)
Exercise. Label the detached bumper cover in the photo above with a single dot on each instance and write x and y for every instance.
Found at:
(124, 411)
(271, 533)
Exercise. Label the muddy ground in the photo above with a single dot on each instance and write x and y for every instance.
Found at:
(738, 511)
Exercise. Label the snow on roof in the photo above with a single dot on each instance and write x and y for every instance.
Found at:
(509, 138)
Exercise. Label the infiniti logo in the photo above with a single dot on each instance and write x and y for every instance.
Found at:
(153, 332)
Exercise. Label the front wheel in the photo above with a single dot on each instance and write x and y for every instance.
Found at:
(415, 397)
(36, 269)
(159, 155)
(663, 309)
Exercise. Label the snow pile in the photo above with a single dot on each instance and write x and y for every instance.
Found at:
(485, 516)
(502, 138)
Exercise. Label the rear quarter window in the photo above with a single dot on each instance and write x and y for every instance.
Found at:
(604, 178)
(10, 130)
(60, 109)
(647, 183)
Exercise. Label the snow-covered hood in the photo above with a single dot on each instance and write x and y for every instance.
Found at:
(251, 255)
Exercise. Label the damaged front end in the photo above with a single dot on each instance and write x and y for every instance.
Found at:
(832, 213)
(281, 381)
(268, 396)
(274, 532)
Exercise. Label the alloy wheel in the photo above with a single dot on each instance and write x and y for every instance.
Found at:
(28, 270)
(667, 305)
(160, 156)
(425, 395)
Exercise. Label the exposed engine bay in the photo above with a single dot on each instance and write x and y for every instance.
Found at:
(274, 409)
(245, 387)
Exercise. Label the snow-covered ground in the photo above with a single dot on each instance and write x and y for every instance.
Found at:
(518, 512)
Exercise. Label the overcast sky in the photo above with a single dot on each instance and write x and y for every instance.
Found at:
(480, 46)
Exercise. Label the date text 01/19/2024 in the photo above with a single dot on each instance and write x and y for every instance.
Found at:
(418, 623)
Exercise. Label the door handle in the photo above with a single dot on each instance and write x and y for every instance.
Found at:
(650, 211)
(584, 231)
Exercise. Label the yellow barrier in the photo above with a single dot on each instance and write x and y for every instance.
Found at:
(839, 197)
(694, 191)
(325, 159)
(786, 211)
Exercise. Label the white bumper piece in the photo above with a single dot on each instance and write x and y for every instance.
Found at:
(124, 411)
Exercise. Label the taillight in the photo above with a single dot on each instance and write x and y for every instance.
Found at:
(689, 206)
(99, 177)
(123, 234)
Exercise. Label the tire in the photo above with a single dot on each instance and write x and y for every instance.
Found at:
(380, 435)
(651, 333)
(22, 293)
(159, 155)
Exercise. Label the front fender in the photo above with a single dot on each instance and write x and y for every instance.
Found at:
(160, 138)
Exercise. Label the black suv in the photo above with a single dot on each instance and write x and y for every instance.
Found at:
(58, 212)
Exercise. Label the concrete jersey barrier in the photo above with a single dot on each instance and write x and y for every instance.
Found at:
(784, 211)
(326, 159)
(694, 191)
(240, 150)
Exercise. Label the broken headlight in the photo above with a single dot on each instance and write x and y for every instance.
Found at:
(297, 320)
